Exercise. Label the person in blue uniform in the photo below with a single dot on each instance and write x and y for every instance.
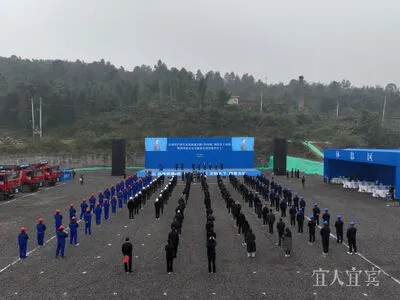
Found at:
(107, 193)
(120, 196)
(106, 207)
(84, 206)
(97, 212)
(92, 201)
(72, 211)
(113, 205)
(112, 191)
(101, 199)
(73, 230)
(88, 221)
(58, 219)
(23, 243)
(61, 236)
(41, 229)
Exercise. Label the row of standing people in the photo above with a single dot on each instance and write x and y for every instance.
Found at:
(211, 236)
(171, 249)
(86, 214)
(241, 221)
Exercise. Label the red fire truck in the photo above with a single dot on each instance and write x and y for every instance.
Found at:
(9, 184)
(30, 178)
(51, 176)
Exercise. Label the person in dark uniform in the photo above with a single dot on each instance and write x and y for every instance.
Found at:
(311, 229)
(271, 221)
(316, 212)
(211, 253)
(127, 250)
(264, 215)
(173, 236)
(339, 229)
(169, 254)
(280, 226)
(292, 213)
(351, 237)
(131, 207)
(300, 221)
(325, 233)
(221, 166)
(303, 182)
(283, 206)
(326, 216)
(157, 207)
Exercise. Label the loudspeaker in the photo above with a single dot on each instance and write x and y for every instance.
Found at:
(118, 157)
(280, 154)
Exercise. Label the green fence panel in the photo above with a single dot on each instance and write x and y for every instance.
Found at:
(313, 148)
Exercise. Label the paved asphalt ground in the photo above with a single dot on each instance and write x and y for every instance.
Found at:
(94, 269)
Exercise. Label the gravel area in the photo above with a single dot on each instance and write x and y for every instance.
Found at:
(94, 269)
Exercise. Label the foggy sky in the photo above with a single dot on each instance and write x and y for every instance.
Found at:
(323, 40)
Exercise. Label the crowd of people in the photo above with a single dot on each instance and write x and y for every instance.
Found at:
(211, 242)
(279, 199)
(133, 188)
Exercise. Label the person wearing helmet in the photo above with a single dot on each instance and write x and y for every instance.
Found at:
(84, 206)
(131, 207)
(300, 221)
(106, 206)
(311, 229)
(61, 236)
(23, 243)
(157, 207)
(88, 221)
(316, 212)
(97, 212)
(339, 229)
(325, 233)
(326, 216)
(58, 219)
(41, 229)
(351, 237)
(72, 211)
(211, 253)
(113, 205)
(100, 199)
(73, 230)
(127, 249)
(92, 201)
(120, 197)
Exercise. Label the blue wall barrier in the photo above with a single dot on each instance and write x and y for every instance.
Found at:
(66, 175)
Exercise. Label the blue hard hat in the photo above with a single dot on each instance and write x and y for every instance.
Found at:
(339, 216)
(325, 222)
(312, 217)
(326, 209)
(315, 204)
(302, 198)
(352, 223)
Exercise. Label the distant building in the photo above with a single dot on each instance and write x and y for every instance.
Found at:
(233, 100)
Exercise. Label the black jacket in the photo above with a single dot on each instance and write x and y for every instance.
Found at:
(127, 248)
(174, 237)
(211, 247)
(351, 233)
(169, 251)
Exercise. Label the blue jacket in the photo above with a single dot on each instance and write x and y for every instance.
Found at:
(112, 191)
(97, 211)
(58, 219)
(106, 206)
(23, 238)
(73, 227)
(72, 212)
(88, 217)
(92, 200)
(41, 228)
(61, 236)
(113, 202)
(84, 206)
(107, 193)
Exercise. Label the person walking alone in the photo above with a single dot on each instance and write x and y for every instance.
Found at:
(127, 250)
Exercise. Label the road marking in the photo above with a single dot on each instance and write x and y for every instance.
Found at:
(84, 272)
(109, 245)
(32, 194)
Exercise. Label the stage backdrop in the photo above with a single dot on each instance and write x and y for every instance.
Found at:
(233, 153)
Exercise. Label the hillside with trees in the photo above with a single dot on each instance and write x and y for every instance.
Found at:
(85, 105)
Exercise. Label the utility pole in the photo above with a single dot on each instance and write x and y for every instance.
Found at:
(337, 110)
(33, 119)
(40, 116)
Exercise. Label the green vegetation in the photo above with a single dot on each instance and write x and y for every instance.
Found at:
(86, 105)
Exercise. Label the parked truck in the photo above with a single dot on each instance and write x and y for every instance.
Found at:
(51, 176)
(30, 178)
(9, 184)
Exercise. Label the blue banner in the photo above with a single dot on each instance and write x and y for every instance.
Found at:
(204, 153)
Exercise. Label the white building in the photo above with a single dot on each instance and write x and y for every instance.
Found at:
(233, 100)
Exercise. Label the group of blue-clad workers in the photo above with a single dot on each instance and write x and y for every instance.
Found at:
(114, 196)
